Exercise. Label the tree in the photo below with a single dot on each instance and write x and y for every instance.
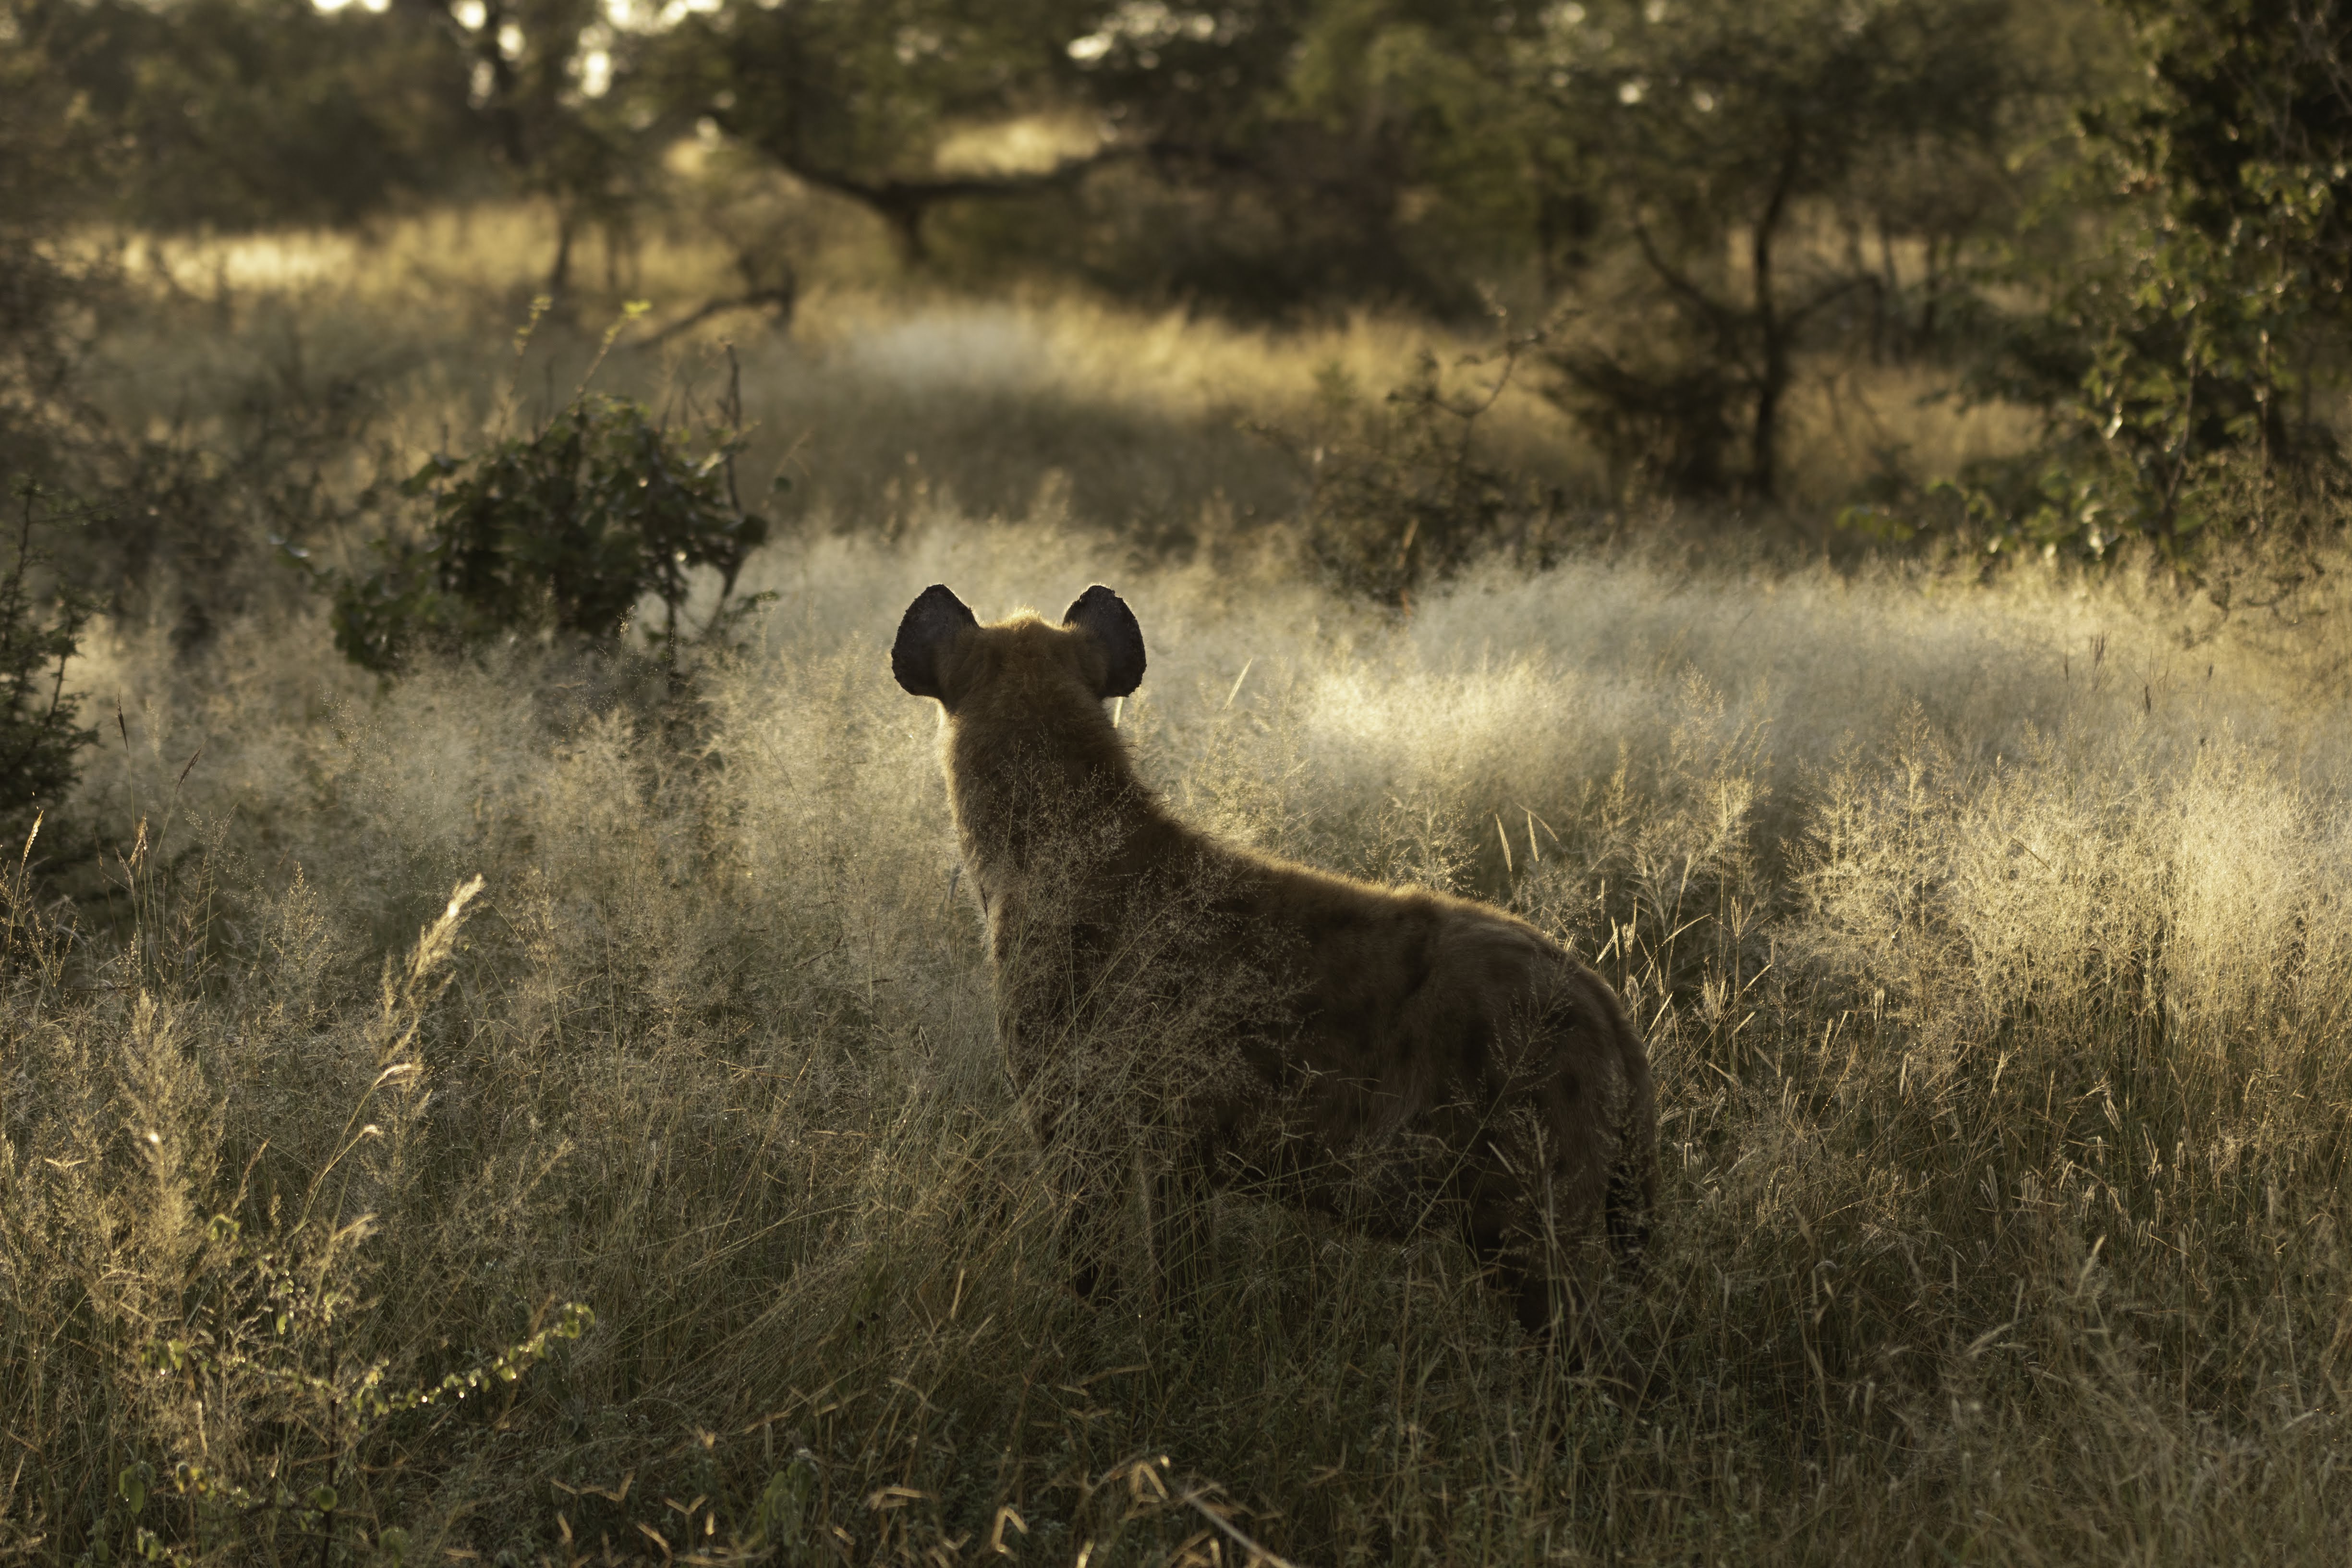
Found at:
(557, 87)
(2246, 126)
(1733, 141)
(1379, 144)
(246, 113)
(1264, 154)
(854, 97)
(52, 153)
(560, 532)
(41, 623)
(243, 113)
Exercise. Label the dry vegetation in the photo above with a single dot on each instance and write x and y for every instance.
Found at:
(880, 398)
(1990, 940)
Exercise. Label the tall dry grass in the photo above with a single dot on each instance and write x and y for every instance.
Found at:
(1990, 942)
(662, 1198)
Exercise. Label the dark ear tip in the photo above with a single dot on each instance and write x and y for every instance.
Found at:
(940, 596)
(1097, 600)
(929, 624)
(1105, 615)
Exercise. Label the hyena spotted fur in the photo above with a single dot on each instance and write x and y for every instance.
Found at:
(1200, 1013)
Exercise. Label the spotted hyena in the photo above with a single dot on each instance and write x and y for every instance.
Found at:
(1392, 1055)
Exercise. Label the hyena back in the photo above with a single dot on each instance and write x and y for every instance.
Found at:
(1395, 1056)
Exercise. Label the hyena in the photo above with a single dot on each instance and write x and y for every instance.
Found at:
(1394, 1056)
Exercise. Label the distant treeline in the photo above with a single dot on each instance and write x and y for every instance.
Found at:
(2129, 215)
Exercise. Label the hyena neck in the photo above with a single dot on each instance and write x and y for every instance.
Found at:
(1044, 799)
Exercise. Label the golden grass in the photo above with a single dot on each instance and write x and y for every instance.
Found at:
(1991, 941)
(1990, 948)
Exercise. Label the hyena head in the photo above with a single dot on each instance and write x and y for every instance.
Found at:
(1020, 670)
(1030, 752)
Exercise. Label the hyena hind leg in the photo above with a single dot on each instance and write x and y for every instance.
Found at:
(1140, 1224)
(1559, 1288)
(1095, 1194)
(1178, 1231)
(1545, 1294)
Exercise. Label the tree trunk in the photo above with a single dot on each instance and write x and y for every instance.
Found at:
(558, 274)
(1773, 371)
(1931, 295)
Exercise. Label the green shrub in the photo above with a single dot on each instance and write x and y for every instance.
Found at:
(40, 632)
(557, 534)
(2175, 366)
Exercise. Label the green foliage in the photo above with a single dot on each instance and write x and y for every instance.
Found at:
(781, 1520)
(2245, 126)
(558, 90)
(2175, 365)
(1266, 155)
(235, 113)
(857, 93)
(246, 113)
(41, 623)
(1349, 148)
(558, 533)
(854, 98)
(274, 1332)
(53, 152)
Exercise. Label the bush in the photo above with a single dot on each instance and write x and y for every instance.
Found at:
(2175, 368)
(1399, 494)
(40, 632)
(557, 534)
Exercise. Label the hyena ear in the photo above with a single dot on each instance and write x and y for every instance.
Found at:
(925, 633)
(1105, 615)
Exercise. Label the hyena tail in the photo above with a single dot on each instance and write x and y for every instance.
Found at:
(1625, 1210)
(1633, 1192)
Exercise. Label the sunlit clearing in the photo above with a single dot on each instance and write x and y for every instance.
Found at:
(1029, 144)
